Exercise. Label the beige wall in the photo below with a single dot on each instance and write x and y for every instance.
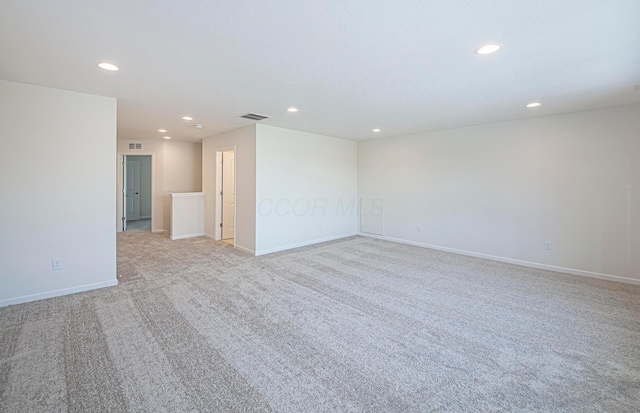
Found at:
(182, 172)
(156, 150)
(183, 166)
(502, 190)
(176, 167)
(56, 204)
(244, 142)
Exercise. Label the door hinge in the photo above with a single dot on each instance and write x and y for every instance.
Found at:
(123, 219)
(220, 193)
(221, 225)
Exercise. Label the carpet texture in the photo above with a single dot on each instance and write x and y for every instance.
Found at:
(356, 325)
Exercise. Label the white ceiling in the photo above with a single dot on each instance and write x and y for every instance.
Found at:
(403, 66)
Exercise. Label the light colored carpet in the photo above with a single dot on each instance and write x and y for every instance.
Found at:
(352, 325)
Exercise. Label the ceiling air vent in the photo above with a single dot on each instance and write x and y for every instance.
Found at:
(135, 145)
(255, 116)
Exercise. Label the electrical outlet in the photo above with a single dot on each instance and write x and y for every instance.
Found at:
(548, 245)
(56, 264)
(418, 228)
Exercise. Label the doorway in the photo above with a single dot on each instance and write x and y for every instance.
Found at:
(226, 195)
(138, 194)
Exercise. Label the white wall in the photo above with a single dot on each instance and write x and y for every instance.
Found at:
(244, 141)
(504, 189)
(306, 188)
(55, 204)
(176, 167)
(187, 215)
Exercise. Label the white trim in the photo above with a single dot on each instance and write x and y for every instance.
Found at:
(159, 231)
(565, 270)
(120, 210)
(243, 249)
(306, 243)
(199, 234)
(57, 293)
(218, 197)
(185, 194)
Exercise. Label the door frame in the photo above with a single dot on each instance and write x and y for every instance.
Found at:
(127, 190)
(121, 175)
(218, 197)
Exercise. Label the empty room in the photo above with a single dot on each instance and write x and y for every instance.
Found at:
(327, 206)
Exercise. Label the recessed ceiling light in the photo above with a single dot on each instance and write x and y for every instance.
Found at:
(376, 130)
(167, 137)
(534, 104)
(488, 49)
(162, 130)
(292, 110)
(187, 118)
(109, 66)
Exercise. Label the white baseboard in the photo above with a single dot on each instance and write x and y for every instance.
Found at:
(304, 244)
(57, 293)
(240, 247)
(565, 270)
(199, 234)
(159, 231)
(244, 249)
